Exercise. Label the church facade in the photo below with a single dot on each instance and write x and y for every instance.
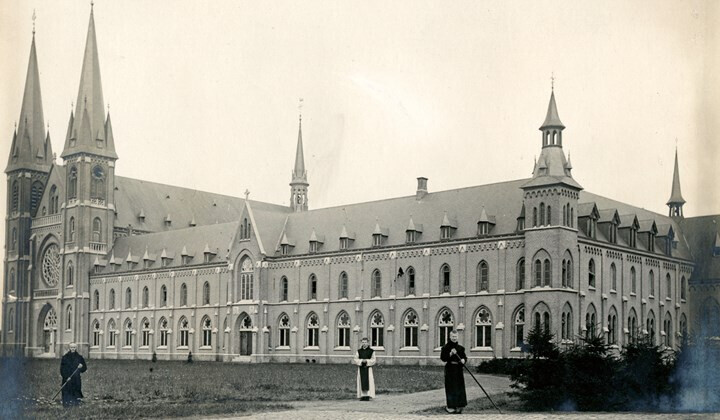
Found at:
(127, 268)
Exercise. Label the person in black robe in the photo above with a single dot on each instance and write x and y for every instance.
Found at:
(365, 360)
(71, 366)
(453, 354)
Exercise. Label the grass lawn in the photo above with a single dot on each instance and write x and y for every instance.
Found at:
(133, 389)
(482, 405)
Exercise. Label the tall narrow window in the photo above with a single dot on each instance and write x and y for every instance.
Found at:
(519, 327)
(445, 279)
(535, 216)
(313, 329)
(445, 324)
(633, 280)
(96, 334)
(96, 300)
(547, 276)
(183, 294)
(542, 214)
(71, 230)
(343, 286)
(283, 289)
(612, 329)
(128, 298)
(70, 274)
(112, 333)
(410, 273)
(682, 288)
(15, 196)
(145, 333)
(651, 278)
(54, 200)
(207, 332)
(111, 299)
(128, 333)
(482, 277)
(521, 274)
(246, 280)
(343, 330)
(591, 273)
(613, 277)
(72, 183)
(410, 329)
(145, 297)
(284, 331)
(312, 287)
(35, 196)
(163, 332)
(69, 318)
(97, 230)
(97, 183)
(377, 330)
(184, 335)
(13, 239)
(483, 328)
(163, 296)
(12, 280)
(376, 288)
(538, 273)
(206, 293)
(549, 216)
(668, 286)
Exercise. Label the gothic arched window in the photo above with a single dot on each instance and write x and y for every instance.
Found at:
(343, 330)
(72, 183)
(183, 295)
(15, 196)
(313, 330)
(483, 328)
(97, 183)
(377, 329)
(283, 289)
(445, 279)
(483, 282)
(343, 286)
(246, 279)
(206, 293)
(284, 331)
(54, 200)
(446, 323)
(97, 230)
(376, 286)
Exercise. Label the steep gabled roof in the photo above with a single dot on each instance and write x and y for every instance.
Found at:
(182, 205)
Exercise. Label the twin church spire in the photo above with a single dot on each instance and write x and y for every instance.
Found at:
(31, 147)
(89, 131)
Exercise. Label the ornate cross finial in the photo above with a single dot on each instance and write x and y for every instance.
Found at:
(300, 105)
(247, 194)
(552, 81)
(33, 19)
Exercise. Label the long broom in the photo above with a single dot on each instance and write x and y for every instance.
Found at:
(481, 387)
(66, 382)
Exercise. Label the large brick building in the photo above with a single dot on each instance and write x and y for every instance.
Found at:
(126, 267)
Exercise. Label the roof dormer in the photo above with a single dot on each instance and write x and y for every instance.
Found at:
(316, 241)
(346, 239)
(413, 232)
(447, 228)
(485, 223)
(379, 235)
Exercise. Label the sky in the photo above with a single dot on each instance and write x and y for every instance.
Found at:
(205, 95)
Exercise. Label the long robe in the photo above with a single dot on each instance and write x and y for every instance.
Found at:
(73, 390)
(454, 378)
(365, 379)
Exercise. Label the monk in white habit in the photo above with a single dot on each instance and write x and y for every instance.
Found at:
(365, 360)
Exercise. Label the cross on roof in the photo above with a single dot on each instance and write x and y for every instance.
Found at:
(247, 194)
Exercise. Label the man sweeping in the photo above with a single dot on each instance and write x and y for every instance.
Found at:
(365, 360)
(71, 366)
(453, 354)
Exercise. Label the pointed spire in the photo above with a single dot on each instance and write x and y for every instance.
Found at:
(299, 170)
(676, 201)
(90, 134)
(30, 137)
(552, 119)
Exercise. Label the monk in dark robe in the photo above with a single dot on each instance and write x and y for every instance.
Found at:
(71, 366)
(365, 360)
(453, 354)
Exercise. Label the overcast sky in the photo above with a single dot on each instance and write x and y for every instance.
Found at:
(205, 94)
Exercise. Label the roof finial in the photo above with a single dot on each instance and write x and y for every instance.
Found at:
(552, 81)
(247, 194)
(33, 19)
(300, 105)
(92, 5)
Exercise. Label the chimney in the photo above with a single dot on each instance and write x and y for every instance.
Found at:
(421, 188)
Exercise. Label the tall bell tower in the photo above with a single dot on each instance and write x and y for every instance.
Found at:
(27, 174)
(299, 184)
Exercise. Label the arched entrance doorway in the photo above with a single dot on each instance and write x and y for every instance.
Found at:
(245, 334)
(48, 330)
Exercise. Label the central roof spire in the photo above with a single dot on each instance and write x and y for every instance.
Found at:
(676, 201)
(299, 182)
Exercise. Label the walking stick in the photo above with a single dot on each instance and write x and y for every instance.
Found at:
(66, 382)
(481, 387)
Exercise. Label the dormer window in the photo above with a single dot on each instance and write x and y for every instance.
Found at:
(633, 237)
(613, 233)
(483, 228)
(98, 269)
(285, 249)
(344, 243)
(166, 262)
(377, 239)
(313, 247)
(147, 264)
(185, 259)
(445, 233)
(410, 236)
(651, 242)
(592, 227)
(521, 224)
(208, 257)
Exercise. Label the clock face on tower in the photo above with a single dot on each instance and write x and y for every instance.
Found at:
(98, 172)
